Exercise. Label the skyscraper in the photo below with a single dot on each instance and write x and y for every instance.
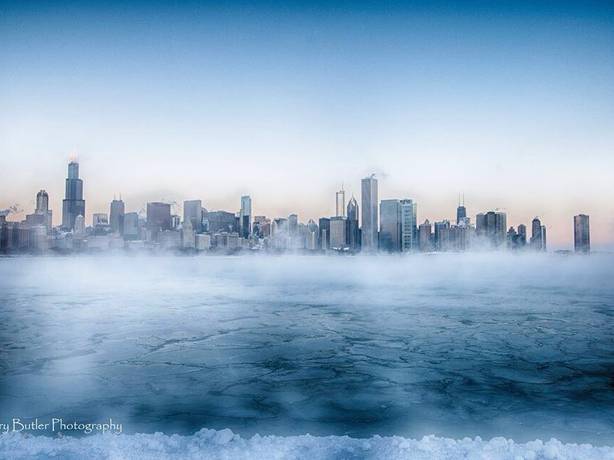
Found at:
(221, 221)
(369, 219)
(116, 219)
(42, 214)
(338, 233)
(312, 235)
(491, 227)
(500, 228)
(324, 226)
(188, 236)
(73, 204)
(245, 217)
(42, 202)
(409, 231)
(390, 226)
(340, 203)
(353, 229)
(131, 226)
(581, 234)
(442, 236)
(538, 235)
(193, 212)
(522, 235)
(425, 236)
(293, 224)
(461, 211)
(158, 216)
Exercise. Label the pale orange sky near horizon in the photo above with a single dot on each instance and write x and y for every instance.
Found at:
(103, 180)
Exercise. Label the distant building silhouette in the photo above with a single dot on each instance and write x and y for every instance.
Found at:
(425, 236)
(245, 217)
(116, 216)
(340, 203)
(409, 223)
(73, 204)
(193, 212)
(538, 235)
(369, 218)
(353, 238)
(158, 216)
(390, 226)
(581, 234)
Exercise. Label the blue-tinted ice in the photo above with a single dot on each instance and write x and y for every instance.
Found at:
(451, 345)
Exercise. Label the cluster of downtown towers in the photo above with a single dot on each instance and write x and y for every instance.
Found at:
(388, 225)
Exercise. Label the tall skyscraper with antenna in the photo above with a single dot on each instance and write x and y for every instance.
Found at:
(461, 211)
(73, 204)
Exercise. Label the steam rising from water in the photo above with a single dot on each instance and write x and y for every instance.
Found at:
(454, 345)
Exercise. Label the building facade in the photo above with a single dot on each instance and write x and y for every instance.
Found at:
(369, 218)
(73, 204)
(581, 234)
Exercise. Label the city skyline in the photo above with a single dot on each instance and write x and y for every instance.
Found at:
(287, 104)
(394, 228)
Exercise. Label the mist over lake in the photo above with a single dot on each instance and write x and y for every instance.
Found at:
(453, 345)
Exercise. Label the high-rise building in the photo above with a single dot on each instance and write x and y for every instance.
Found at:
(581, 234)
(338, 233)
(193, 212)
(491, 227)
(390, 225)
(42, 202)
(442, 236)
(188, 236)
(500, 228)
(311, 242)
(340, 203)
(158, 216)
(460, 235)
(73, 204)
(409, 222)
(117, 213)
(221, 221)
(461, 211)
(522, 235)
(369, 219)
(42, 214)
(262, 227)
(425, 236)
(293, 224)
(131, 226)
(245, 217)
(353, 238)
(324, 226)
(538, 235)
(512, 238)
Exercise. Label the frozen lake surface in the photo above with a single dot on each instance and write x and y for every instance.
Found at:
(451, 345)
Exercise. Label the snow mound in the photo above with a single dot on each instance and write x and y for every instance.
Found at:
(224, 444)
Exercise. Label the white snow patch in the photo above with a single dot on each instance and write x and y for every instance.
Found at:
(224, 444)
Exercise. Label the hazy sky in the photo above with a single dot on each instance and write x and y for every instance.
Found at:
(510, 102)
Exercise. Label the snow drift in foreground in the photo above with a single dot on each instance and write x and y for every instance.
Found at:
(225, 444)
